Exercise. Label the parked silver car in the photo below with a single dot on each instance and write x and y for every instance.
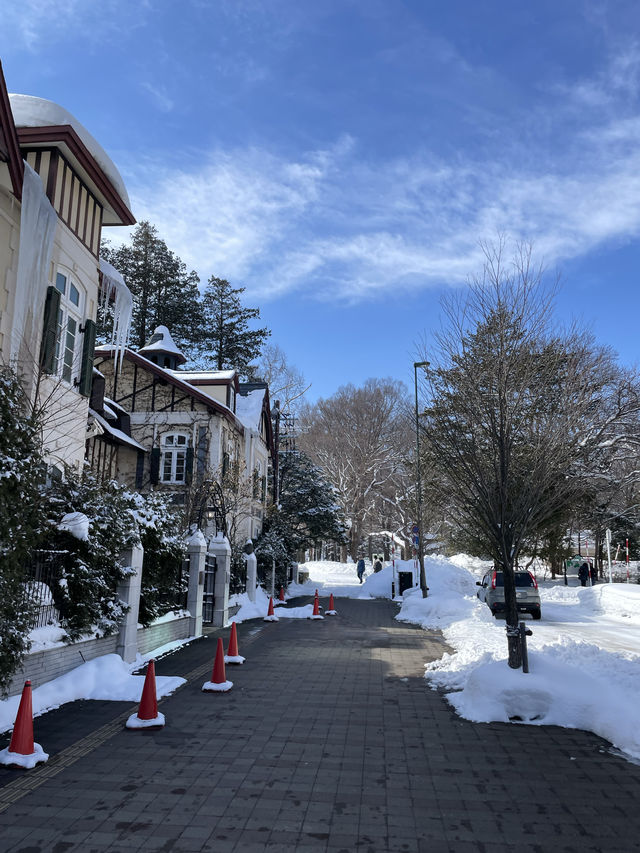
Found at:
(527, 595)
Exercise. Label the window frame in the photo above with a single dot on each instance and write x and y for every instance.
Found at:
(175, 453)
(70, 324)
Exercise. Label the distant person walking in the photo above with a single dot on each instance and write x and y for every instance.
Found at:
(583, 573)
(360, 569)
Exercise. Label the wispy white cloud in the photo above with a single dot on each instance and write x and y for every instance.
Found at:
(159, 96)
(39, 23)
(333, 226)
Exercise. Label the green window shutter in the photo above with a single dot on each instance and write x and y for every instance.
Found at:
(154, 474)
(139, 469)
(88, 350)
(48, 346)
(188, 471)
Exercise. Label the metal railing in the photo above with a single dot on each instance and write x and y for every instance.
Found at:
(44, 573)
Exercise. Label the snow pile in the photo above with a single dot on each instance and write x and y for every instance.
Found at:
(75, 523)
(258, 609)
(576, 683)
(107, 677)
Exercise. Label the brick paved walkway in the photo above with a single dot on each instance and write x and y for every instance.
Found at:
(329, 741)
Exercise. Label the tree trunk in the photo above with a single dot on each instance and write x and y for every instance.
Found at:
(511, 612)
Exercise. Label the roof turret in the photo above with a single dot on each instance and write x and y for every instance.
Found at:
(162, 349)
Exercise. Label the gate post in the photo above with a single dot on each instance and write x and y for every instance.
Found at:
(220, 549)
(252, 569)
(129, 593)
(197, 552)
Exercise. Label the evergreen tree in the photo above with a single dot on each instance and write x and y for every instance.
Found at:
(164, 293)
(307, 512)
(228, 340)
(21, 470)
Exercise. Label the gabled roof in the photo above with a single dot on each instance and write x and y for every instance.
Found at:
(42, 123)
(170, 376)
(9, 145)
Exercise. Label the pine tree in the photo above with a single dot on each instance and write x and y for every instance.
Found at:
(164, 292)
(228, 340)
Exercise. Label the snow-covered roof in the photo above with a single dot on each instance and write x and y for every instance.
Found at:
(204, 375)
(174, 376)
(161, 341)
(249, 408)
(117, 433)
(30, 111)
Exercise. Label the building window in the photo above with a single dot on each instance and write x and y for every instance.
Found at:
(174, 458)
(67, 354)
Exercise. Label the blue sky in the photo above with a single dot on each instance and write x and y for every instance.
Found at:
(342, 159)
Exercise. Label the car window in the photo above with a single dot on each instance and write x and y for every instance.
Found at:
(523, 579)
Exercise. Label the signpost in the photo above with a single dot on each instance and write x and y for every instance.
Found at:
(608, 538)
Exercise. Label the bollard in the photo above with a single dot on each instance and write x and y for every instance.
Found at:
(524, 633)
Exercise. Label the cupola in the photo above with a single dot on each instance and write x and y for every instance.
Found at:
(162, 350)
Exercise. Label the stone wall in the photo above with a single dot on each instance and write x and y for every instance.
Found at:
(165, 632)
(46, 665)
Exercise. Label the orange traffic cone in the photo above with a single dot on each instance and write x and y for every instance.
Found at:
(218, 683)
(271, 616)
(148, 716)
(232, 655)
(316, 609)
(281, 596)
(22, 751)
(331, 611)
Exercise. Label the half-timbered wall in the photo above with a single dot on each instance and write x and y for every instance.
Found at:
(158, 407)
(74, 203)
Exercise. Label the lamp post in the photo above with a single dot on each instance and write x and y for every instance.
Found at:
(423, 577)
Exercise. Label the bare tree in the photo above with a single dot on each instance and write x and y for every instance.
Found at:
(356, 436)
(285, 381)
(517, 410)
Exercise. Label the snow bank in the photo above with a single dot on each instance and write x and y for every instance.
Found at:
(107, 677)
(258, 609)
(575, 683)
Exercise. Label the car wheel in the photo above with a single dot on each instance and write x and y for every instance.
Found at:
(536, 614)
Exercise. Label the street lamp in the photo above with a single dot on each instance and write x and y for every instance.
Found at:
(423, 577)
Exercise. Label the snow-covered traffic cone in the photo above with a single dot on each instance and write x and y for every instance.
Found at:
(271, 616)
(22, 751)
(148, 716)
(331, 611)
(316, 609)
(218, 683)
(281, 596)
(232, 655)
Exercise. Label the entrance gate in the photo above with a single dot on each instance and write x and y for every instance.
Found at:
(208, 598)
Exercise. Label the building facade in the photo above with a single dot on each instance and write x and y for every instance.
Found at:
(57, 189)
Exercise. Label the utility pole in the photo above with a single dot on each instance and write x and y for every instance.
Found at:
(423, 577)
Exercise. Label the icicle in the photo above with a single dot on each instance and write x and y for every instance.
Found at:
(113, 284)
(37, 230)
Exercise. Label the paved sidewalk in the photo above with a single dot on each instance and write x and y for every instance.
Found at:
(329, 741)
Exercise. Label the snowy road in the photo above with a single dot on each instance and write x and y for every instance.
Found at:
(619, 633)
